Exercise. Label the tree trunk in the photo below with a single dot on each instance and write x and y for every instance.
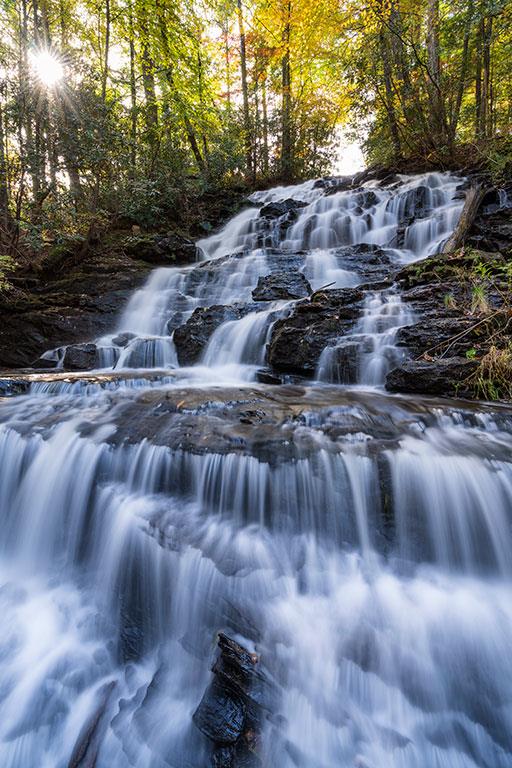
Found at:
(463, 72)
(104, 77)
(478, 82)
(486, 76)
(265, 125)
(434, 72)
(390, 108)
(225, 32)
(189, 129)
(148, 82)
(133, 103)
(245, 92)
(5, 216)
(411, 105)
(286, 98)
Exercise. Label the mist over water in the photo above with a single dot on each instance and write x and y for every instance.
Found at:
(359, 543)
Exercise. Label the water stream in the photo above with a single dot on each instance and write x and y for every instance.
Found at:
(359, 543)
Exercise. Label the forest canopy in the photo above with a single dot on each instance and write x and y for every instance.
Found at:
(111, 108)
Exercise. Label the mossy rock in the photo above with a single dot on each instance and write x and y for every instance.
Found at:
(58, 254)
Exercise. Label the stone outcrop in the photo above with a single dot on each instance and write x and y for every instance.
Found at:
(285, 285)
(281, 208)
(192, 337)
(165, 250)
(298, 340)
(445, 377)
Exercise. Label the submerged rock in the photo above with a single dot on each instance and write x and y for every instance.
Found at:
(282, 285)
(298, 340)
(87, 747)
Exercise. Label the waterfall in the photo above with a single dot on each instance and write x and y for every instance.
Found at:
(313, 230)
(368, 354)
(359, 543)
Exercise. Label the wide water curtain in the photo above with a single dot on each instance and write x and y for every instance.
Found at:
(232, 464)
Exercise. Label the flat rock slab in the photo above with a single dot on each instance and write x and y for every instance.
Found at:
(274, 424)
(437, 377)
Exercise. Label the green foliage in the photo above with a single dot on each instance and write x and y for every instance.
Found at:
(7, 265)
(500, 161)
(479, 299)
(429, 76)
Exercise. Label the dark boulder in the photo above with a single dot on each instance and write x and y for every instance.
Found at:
(392, 179)
(414, 204)
(281, 208)
(82, 304)
(48, 360)
(220, 714)
(372, 263)
(434, 334)
(231, 709)
(282, 285)
(80, 357)
(367, 198)
(491, 233)
(446, 377)
(223, 756)
(163, 249)
(192, 337)
(264, 376)
(298, 340)
(333, 184)
(496, 199)
(123, 339)
(491, 229)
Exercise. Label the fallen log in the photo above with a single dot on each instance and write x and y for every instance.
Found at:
(474, 197)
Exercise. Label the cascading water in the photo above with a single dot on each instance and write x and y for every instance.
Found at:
(410, 220)
(359, 543)
(366, 355)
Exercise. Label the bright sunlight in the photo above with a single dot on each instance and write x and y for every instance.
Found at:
(46, 67)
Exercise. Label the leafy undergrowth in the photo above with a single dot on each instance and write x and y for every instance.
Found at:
(493, 378)
(489, 291)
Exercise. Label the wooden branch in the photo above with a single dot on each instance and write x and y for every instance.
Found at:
(467, 217)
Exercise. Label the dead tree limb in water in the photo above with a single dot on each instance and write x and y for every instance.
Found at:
(467, 217)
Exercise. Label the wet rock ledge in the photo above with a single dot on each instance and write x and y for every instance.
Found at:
(461, 301)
